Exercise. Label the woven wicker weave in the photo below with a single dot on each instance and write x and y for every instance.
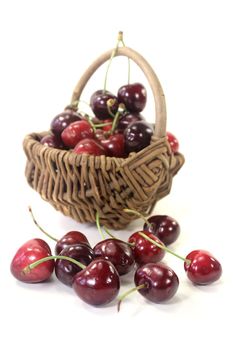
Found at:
(80, 185)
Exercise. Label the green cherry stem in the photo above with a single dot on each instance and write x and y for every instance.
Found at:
(138, 214)
(28, 268)
(40, 228)
(97, 220)
(102, 124)
(128, 292)
(187, 261)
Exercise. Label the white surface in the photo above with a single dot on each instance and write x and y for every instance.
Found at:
(45, 46)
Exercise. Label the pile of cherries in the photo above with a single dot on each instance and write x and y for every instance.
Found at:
(116, 129)
(94, 273)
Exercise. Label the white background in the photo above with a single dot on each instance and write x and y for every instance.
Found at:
(45, 46)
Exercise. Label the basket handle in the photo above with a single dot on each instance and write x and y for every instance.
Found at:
(159, 98)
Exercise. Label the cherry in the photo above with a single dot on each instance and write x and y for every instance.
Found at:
(114, 146)
(66, 270)
(164, 227)
(89, 146)
(117, 252)
(174, 143)
(98, 283)
(104, 104)
(126, 119)
(70, 238)
(62, 120)
(76, 132)
(52, 141)
(160, 282)
(203, 268)
(107, 127)
(30, 251)
(133, 96)
(137, 136)
(145, 251)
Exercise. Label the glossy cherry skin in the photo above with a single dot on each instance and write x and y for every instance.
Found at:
(76, 132)
(164, 227)
(204, 268)
(70, 238)
(107, 127)
(126, 119)
(133, 96)
(161, 282)
(98, 104)
(62, 120)
(98, 283)
(52, 141)
(137, 136)
(89, 146)
(117, 252)
(114, 145)
(174, 143)
(31, 251)
(145, 251)
(66, 270)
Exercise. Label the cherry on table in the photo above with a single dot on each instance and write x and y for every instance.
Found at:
(202, 267)
(75, 132)
(66, 270)
(166, 228)
(31, 251)
(137, 136)
(117, 252)
(145, 251)
(133, 96)
(98, 283)
(99, 104)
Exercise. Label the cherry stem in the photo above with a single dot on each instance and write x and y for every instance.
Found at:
(187, 261)
(28, 268)
(40, 228)
(119, 40)
(124, 295)
(115, 121)
(139, 215)
(97, 220)
(102, 124)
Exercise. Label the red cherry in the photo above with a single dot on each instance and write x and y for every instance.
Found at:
(204, 268)
(133, 96)
(89, 146)
(174, 143)
(114, 146)
(28, 253)
(69, 239)
(100, 135)
(145, 251)
(98, 283)
(76, 132)
(107, 127)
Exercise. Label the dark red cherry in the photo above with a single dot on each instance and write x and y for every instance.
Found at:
(52, 141)
(133, 96)
(164, 227)
(107, 127)
(145, 251)
(126, 119)
(114, 146)
(117, 252)
(28, 253)
(69, 239)
(100, 135)
(204, 268)
(62, 120)
(160, 282)
(137, 136)
(98, 283)
(174, 143)
(76, 132)
(99, 106)
(66, 270)
(89, 146)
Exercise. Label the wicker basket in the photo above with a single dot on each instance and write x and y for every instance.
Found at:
(80, 185)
